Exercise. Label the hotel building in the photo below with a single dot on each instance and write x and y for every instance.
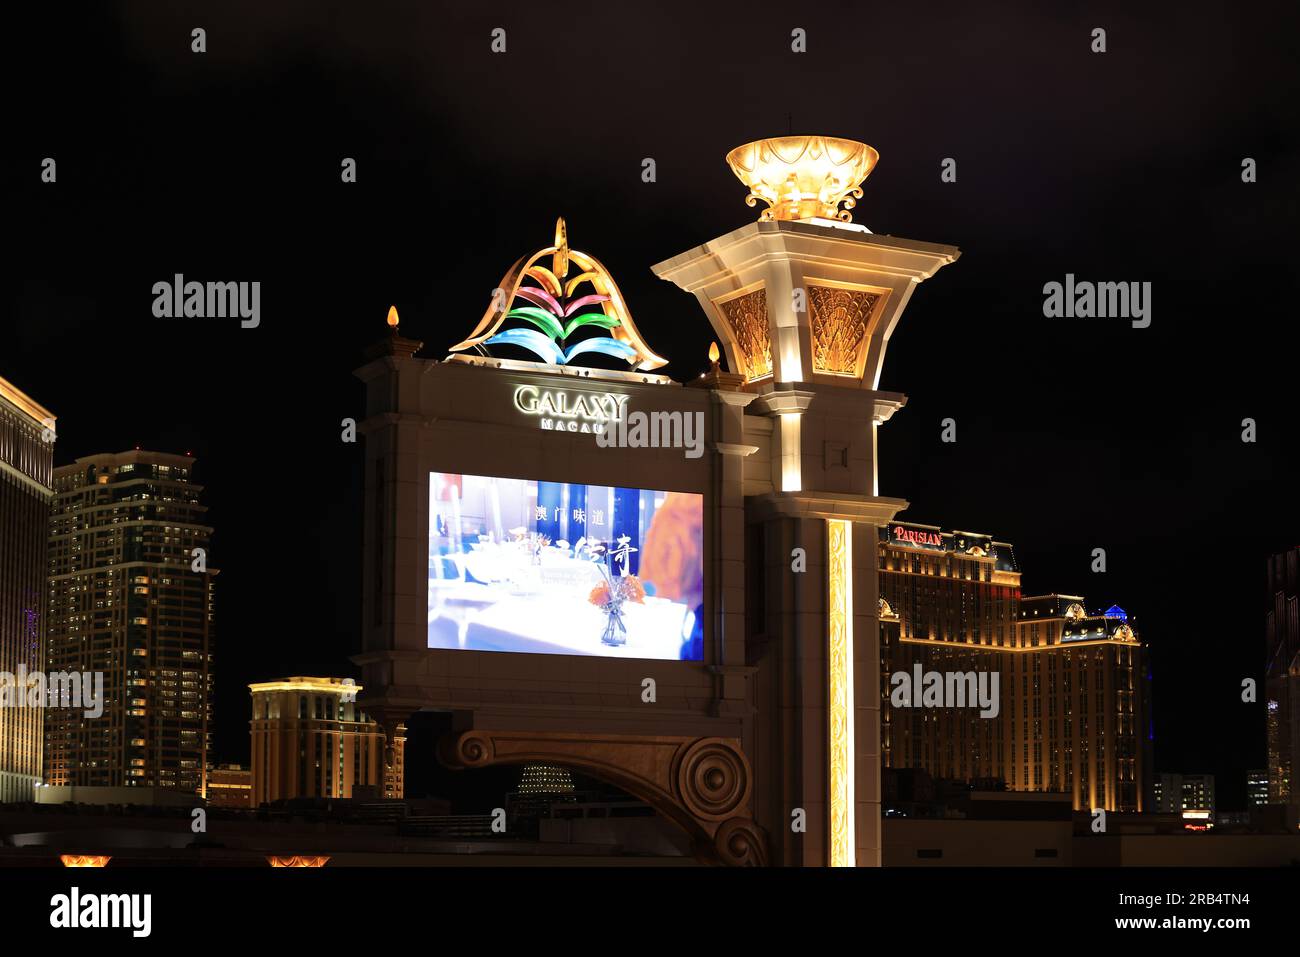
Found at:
(1282, 676)
(952, 602)
(1073, 702)
(230, 785)
(26, 467)
(310, 739)
(1189, 794)
(1083, 706)
(131, 596)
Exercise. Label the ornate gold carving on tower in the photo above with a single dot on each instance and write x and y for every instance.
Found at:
(839, 319)
(803, 177)
(839, 658)
(747, 316)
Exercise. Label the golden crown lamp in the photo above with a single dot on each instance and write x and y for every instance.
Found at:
(803, 177)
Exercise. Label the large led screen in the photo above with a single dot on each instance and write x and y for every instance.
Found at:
(565, 569)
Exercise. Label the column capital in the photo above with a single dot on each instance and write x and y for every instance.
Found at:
(866, 509)
(783, 400)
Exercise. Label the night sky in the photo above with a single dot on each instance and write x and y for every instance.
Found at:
(1072, 434)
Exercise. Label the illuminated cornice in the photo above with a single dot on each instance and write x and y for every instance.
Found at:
(24, 403)
(1059, 646)
(518, 365)
(324, 685)
(872, 509)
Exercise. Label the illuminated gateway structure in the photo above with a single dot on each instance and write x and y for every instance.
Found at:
(701, 632)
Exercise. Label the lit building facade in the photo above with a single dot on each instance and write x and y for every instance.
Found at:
(131, 596)
(1074, 699)
(540, 786)
(1257, 794)
(26, 472)
(952, 600)
(310, 739)
(230, 785)
(1191, 795)
(1082, 705)
(1282, 676)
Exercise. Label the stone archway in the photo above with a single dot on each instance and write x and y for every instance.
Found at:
(704, 785)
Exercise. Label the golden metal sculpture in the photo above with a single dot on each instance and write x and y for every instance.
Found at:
(803, 177)
(556, 282)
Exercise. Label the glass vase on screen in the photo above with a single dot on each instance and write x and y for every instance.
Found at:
(615, 589)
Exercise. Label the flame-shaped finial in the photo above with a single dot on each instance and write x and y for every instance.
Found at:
(392, 318)
(560, 259)
(713, 353)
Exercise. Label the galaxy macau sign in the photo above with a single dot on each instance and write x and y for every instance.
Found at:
(561, 411)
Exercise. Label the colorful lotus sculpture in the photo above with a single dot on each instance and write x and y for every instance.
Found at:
(555, 308)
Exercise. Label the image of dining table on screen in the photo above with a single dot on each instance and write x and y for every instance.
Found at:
(565, 568)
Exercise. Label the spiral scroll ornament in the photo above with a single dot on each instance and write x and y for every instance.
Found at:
(713, 779)
(741, 843)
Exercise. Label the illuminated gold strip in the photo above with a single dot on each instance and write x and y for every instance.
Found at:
(1061, 646)
(24, 403)
(334, 685)
(300, 860)
(839, 656)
